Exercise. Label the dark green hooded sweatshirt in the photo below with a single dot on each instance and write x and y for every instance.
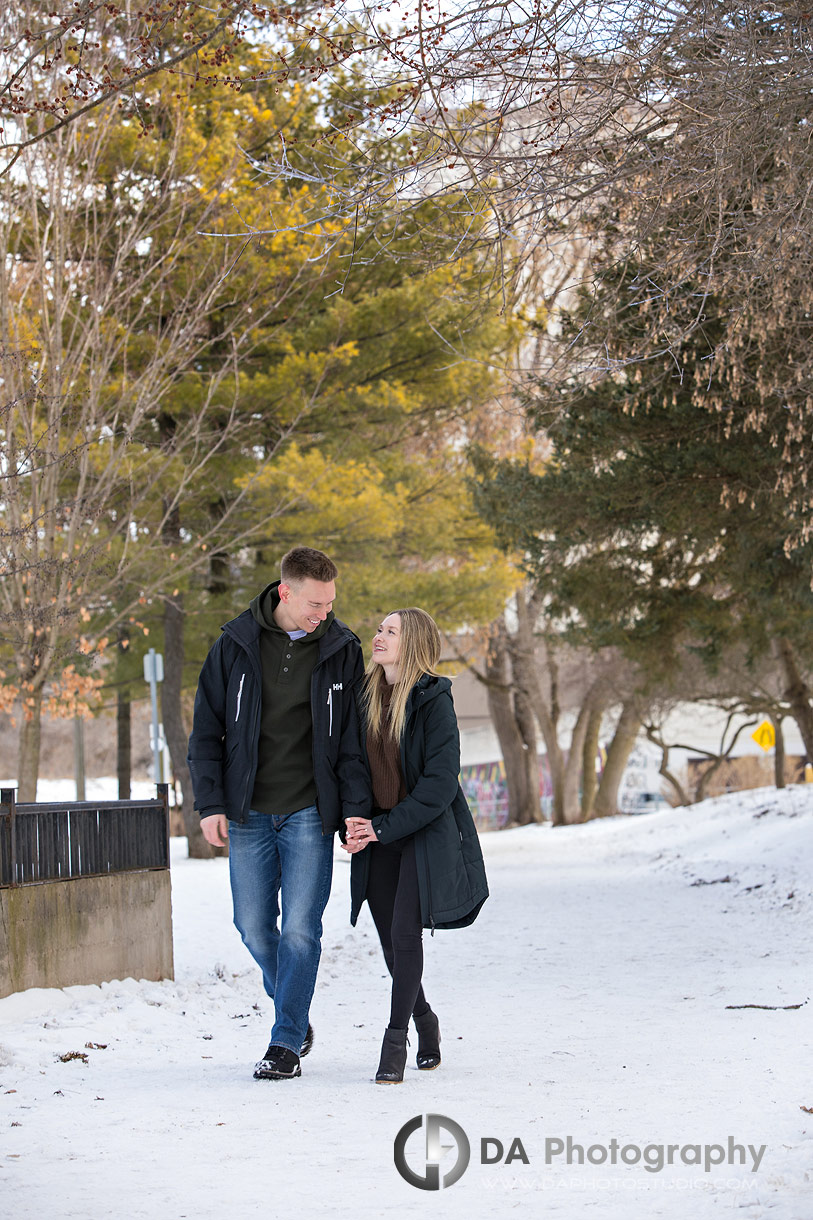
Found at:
(285, 780)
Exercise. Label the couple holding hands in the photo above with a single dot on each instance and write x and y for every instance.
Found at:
(293, 740)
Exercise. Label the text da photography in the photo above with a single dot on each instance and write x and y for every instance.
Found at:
(433, 1151)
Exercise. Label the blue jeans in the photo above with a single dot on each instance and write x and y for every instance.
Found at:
(272, 858)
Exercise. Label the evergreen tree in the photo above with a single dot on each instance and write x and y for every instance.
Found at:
(656, 524)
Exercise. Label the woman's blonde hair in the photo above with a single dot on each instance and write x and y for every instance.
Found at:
(419, 653)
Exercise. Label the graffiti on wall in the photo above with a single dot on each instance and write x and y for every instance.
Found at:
(486, 790)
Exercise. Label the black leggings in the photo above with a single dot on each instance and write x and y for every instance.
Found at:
(392, 892)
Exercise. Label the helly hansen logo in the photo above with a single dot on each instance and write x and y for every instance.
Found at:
(331, 689)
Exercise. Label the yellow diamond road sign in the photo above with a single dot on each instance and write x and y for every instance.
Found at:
(764, 735)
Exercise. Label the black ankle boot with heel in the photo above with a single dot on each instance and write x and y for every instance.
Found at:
(393, 1057)
(428, 1056)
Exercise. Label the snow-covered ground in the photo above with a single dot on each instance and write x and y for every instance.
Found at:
(602, 995)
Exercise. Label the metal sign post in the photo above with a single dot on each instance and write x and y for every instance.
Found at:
(154, 673)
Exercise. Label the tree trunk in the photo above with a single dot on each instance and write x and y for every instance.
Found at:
(523, 662)
(523, 802)
(28, 757)
(663, 769)
(174, 729)
(183, 820)
(779, 752)
(556, 761)
(526, 725)
(589, 757)
(123, 743)
(124, 738)
(621, 746)
(706, 778)
(575, 760)
(218, 567)
(797, 694)
(79, 757)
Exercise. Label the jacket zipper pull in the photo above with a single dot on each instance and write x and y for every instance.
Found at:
(330, 706)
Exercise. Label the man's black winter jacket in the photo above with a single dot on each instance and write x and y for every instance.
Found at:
(225, 733)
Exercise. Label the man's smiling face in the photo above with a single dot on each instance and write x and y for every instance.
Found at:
(305, 604)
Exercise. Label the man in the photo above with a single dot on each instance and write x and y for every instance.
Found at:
(276, 765)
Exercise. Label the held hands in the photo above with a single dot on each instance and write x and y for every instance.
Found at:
(359, 833)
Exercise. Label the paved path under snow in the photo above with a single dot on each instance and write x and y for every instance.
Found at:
(590, 1001)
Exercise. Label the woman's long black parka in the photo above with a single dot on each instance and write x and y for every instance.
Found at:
(451, 872)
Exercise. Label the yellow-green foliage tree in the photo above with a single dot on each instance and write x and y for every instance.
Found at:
(159, 364)
(126, 335)
(401, 526)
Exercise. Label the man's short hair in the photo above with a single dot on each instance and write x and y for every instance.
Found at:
(306, 563)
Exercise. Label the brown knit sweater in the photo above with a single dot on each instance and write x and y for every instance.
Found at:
(384, 755)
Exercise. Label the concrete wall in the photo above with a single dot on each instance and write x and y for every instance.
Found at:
(86, 930)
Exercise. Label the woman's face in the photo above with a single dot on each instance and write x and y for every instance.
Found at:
(387, 642)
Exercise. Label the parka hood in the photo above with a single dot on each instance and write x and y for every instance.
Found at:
(428, 687)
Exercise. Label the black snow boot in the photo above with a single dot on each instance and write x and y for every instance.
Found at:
(393, 1057)
(278, 1063)
(428, 1056)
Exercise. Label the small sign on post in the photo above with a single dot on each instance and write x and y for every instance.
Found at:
(765, 735)
(153, 666)
(154, 673)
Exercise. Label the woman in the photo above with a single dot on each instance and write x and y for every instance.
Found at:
(417, 861)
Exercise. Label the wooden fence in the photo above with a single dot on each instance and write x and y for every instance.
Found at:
(58, 841)
(85, 893)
